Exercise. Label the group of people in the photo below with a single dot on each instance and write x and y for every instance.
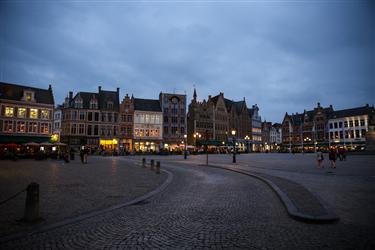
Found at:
(332, 156)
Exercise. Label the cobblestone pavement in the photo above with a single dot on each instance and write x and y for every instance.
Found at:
(349, 189)
(70, 190)
(203, 208)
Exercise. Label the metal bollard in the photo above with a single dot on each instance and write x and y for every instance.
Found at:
(32, 202)
(158, 167)
(152, 165)
(143, 162)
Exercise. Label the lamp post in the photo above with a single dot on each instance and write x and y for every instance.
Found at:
(185, 151)
(247, 143)
(234, 145)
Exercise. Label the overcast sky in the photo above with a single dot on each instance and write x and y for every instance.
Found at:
(284, 56)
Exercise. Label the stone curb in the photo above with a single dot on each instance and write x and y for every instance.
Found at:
(328, 217)
(91, 214)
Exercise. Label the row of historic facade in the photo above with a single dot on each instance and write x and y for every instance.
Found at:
(103, 121)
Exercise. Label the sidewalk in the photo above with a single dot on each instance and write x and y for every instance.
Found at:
(70, 189)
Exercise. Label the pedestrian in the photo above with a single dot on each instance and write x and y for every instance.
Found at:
(320, 158)
(344, 154)
(85, 154)
(332, 157)
(341, 154)
(81, 154)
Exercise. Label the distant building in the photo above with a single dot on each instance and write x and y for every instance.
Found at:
(26, 114)
(91, 119)
(256, 128)
(239, 120)
(127, 124)
(173, 107)
(349, 127)
(57, 123)
(276, 136)
(148, 125)
(266, 136)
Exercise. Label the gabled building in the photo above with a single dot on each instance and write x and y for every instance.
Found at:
(174, 119)
(26, 113)
(127, 124)
(148, 125)
(306, 131)
(256, 129)
(239, 120)
(91, 119)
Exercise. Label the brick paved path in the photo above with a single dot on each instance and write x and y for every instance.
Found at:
(70, 190)
(203, 208)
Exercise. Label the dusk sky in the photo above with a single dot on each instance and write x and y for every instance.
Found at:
(284, 56)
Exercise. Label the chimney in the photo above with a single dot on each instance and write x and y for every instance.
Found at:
(318, 104)
(331, 106)
(118, 90)
(209, 97)
(70, 95)
(49, 87)
(367, 105)
(99, 88)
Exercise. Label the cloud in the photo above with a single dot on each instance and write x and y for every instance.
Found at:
(282, 56)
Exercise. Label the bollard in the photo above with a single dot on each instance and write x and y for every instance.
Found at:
(158, 167)
(152, 165)
(32, 202)
(143, 162)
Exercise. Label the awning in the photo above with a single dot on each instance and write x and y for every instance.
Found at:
(22, 139)
(209, 142)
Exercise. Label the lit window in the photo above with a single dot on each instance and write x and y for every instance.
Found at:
(9, 111)
(21, 112)
(33, 127)
(8, 126)
(28, 96)
(21, 127)
(44, 128)
(44, 114)
(33, 113)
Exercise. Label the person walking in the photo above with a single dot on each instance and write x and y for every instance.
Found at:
(85, 154)
(319, 159)
(332, 157)
(81, 154)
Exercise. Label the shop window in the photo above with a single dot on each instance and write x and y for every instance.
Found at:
(33, 113)
(21, 112)
(44, 128)
(9, 111)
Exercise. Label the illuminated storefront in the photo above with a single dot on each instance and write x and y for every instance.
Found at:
(109, 144)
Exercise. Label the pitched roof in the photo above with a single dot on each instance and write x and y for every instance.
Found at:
(365, 110)
(86, 98)
(147, 105)
(106, 96)
(15, 92)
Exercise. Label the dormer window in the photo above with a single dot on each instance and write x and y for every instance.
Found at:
(94, 104)
(29, 96)
(110, 105)
(78, 103)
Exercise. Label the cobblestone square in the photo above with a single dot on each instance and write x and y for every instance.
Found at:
(207, 207)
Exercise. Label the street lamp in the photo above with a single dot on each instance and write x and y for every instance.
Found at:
(247, 143)
(185, 152)
(234, 145)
